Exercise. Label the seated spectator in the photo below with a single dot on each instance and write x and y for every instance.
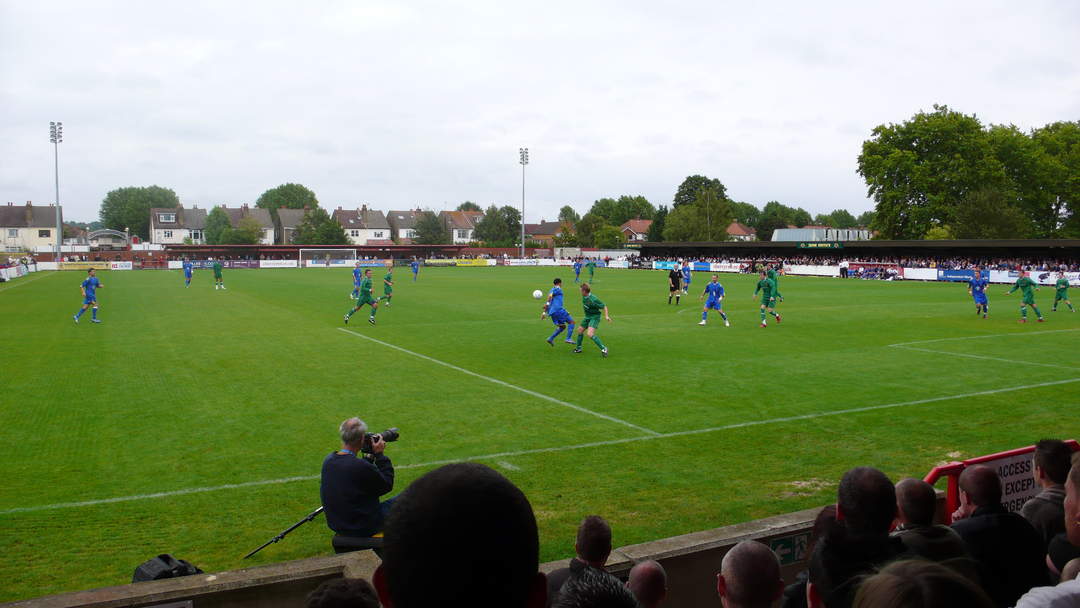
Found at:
(916, 504)
(593, 546)
(648, 583)
(749, 577)
(795, 593)
(858, 543)
(594, 588)
(1045, 511)
(1005, 546)
(343, 593)
(919, 584)
(461, 535)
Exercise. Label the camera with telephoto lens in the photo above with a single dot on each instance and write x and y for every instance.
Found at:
(390, 434)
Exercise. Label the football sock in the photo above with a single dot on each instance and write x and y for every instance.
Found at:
(580, 337)
(723, 316)
(569, 331)
(1069, 304)
(554, 335)
(374, 309)
(669, 299)
(350, 313)
(596, 340)
(79, 314)
(773, 313)
(763, 315)
(1023, 312)
(704, 314)
(677, 300)
(93, 313)
(1036, 309)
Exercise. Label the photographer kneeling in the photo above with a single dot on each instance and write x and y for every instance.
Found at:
(352, 484)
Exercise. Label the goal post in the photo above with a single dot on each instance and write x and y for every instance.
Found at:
(327, 257)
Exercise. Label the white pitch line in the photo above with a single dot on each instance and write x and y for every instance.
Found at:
(1008, 335)
(30, 280)
(505, 384)
(986, 358)
(507, 465)
(561, 448)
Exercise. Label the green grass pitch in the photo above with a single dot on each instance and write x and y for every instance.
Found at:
(194, 421)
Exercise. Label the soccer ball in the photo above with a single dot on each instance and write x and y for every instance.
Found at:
(538, 294)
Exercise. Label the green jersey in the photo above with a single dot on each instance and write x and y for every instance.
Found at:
(1062, 284)
(1026, 286)
(387, 283)
(767, 287)
(593, 306)
(365, 288)
(775, 278)
(217, 270)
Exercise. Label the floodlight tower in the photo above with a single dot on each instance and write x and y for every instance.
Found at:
(524, 155)
(56, 135)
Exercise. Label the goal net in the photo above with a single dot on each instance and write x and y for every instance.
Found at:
(327, 257)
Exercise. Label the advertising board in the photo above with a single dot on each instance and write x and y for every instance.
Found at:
(471, 262)
(277, 263)
(120, 266)
(963, 276)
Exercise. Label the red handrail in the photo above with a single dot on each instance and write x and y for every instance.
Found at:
(952, 470)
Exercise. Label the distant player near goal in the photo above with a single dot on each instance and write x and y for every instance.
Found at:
(218, 282)
(188, 269)
(1027, 289)
(768, 297)
(365, 298)
(1062, 293)
(357, 278)
(415, 268)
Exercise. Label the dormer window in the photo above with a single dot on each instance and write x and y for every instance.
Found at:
(166, 217)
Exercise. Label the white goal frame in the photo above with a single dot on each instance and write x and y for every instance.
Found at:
(316, 257)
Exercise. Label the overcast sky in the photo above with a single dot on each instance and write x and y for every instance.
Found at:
(397, 104)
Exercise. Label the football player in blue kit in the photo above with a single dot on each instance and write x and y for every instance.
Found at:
(559, 316)
(714, 292)
(977, 290)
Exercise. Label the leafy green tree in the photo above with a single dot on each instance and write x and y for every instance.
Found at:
(632, 207)
(430, 230)
(248, 231)
(939, 233)
(773, 216)
(469, 206)
(587, 228)
(319, 228)
(604, 208)
(801, 217)
(918, 170)
(567, 214)
(1060, 143)
(511, 216)
(290, 196)
(689, 188)
(493, 228)
(842, 218)
(704, 220)
(986, 213)
(656, 230)
(129, 208)
(824, 219)
(609, 237)
(217, 226)
(567, 238)
(745, 213)
(865, 219)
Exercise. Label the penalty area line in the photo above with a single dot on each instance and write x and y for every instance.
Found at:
(1008, 335)
(30, 280)
(501, 456)
(504, 384)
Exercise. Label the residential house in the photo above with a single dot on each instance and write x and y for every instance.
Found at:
(403, 225)
(462, 225)
(364, 226)
(741, 232)
(545, 232)
(27, 227)
(289, 221)
(636, 230)
(260, 215)
(172, 225)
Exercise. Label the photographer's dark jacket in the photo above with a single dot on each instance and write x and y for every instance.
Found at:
(350, 491)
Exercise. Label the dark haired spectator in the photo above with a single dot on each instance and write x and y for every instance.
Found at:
(919, 584)
(648, 583)
(594, 588)
(1008, 551)
(795, 593)
(593, 547)
(858, 543)
(461, 535)
(916, 504)
(1045, 510)
(749, 577)
(343, 593)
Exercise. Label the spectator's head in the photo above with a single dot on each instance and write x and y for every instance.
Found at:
(749, 576)
(594, 588)
(823, 523)
(1072, 502)
(343, 593)
(352, 432)
(916, 502)
(1071, 570)
(919, 584)
(648, 583)
(866, 501)
(979, 487)
(593, 545)
(461, 535)
(1052, 461)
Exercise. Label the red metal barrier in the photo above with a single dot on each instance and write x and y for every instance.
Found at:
(953, 470)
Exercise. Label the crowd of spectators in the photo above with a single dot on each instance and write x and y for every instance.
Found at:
(953, 263)
(464, 535)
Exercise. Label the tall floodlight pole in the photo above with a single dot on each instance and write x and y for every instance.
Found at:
(56, 135)
(524, 154)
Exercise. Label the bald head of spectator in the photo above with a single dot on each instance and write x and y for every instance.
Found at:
(979, 487)
(866, 502)
(1071, 570)
(749, 576)
(593, 544)
(916, 502)
(648, 583)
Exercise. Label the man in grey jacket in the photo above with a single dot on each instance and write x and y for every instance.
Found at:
(1044, 510)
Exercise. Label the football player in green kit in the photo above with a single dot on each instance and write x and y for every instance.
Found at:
(1027, 289)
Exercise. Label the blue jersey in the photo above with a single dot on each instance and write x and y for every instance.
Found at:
(715, 291)
(577, 267)
(415, 267)
(556, 299)
(91, 285)
(978, 288)
(357, 275)
(188, 266)
(686, 272)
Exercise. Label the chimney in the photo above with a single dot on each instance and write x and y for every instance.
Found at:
(363, 208)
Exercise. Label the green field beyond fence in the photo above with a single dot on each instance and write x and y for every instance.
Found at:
(194, 421)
